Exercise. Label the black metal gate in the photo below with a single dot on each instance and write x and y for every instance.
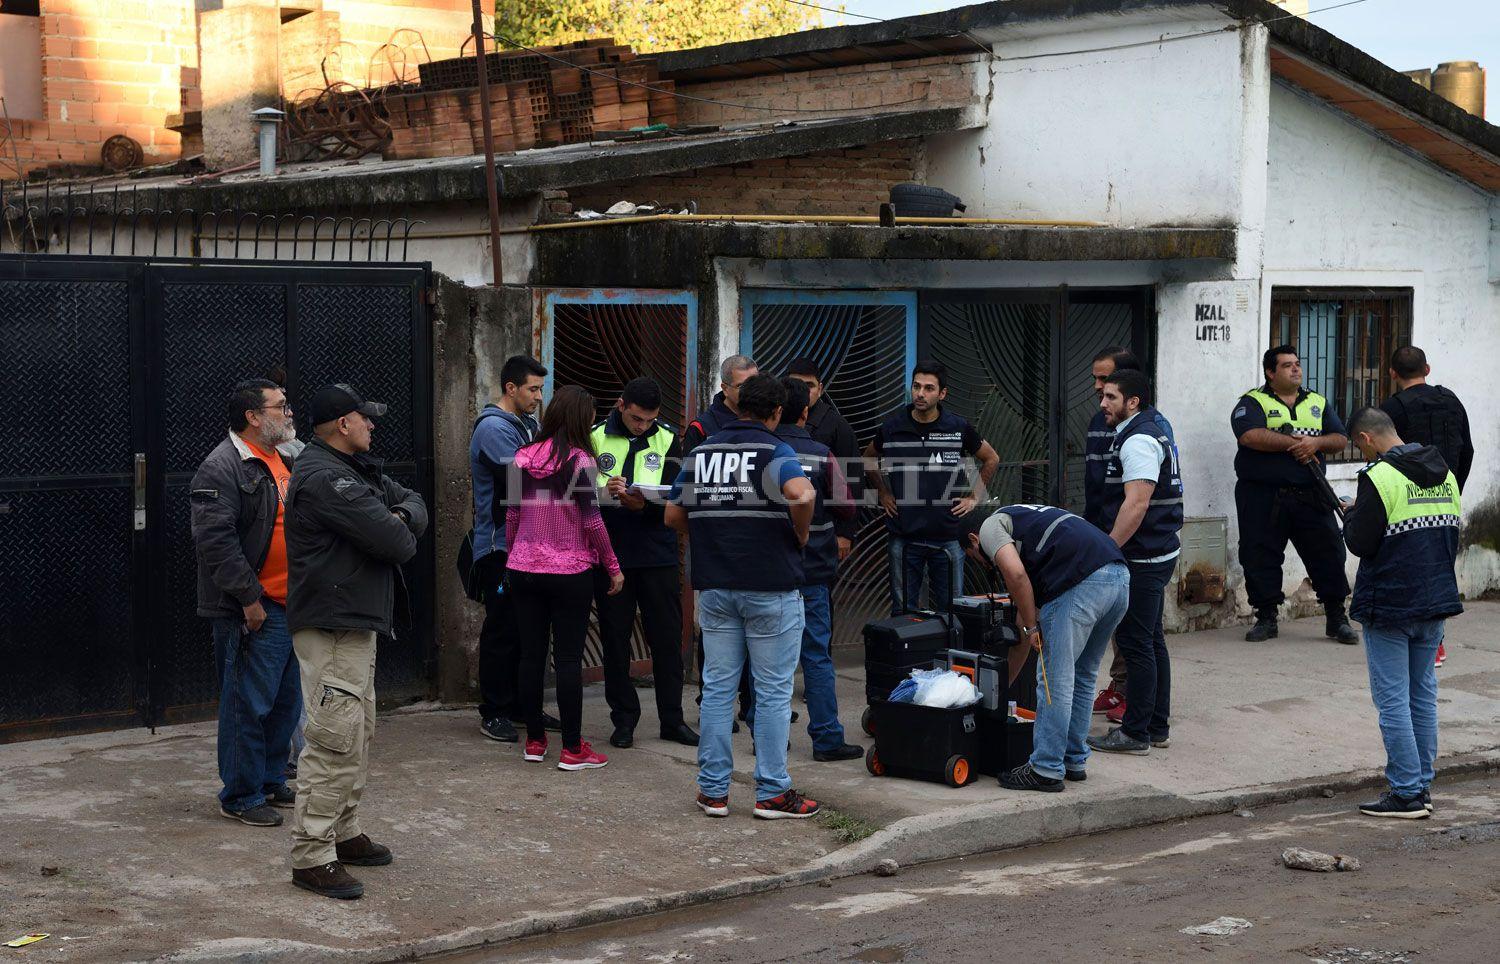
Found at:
(1019, 368)
(116, 372)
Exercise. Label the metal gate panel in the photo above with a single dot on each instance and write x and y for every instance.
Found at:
(1092, 321)
(70, 337)
(601, 338)
(365, 327)
(864, 343)
(119, 358)
(212, 331)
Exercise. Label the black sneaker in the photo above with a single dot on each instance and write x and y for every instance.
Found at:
(1427, 800)
(1263, 630)
(1024, 777)
(1392, 804)
(261, 816)
(283, 796)
(1075, 776)
(500, 729)
(550, 722)
(846, 751)
(1115, 741)
(622, 738)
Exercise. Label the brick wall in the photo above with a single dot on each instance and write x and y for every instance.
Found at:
(108, 67)
(835, 91)
(852, 181)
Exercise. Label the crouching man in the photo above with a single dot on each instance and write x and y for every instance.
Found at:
(1070, 586)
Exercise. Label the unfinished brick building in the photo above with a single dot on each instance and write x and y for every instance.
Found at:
(76, 73)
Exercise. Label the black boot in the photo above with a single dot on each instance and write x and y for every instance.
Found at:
(1337, 625)
(1264, 628)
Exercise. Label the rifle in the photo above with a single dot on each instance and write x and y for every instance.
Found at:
(1326, 494)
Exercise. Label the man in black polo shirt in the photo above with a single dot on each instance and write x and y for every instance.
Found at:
(826, 424)
(921, 462)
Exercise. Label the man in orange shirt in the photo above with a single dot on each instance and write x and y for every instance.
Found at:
(238, 515)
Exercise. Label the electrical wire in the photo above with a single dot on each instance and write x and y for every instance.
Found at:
(1165, 38)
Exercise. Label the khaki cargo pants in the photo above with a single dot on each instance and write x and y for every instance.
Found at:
(338, 690)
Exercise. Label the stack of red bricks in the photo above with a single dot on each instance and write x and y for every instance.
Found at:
(535, 101)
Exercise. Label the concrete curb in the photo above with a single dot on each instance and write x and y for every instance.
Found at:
(982, 828)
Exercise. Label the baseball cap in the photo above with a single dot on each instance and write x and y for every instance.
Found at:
(335, 401)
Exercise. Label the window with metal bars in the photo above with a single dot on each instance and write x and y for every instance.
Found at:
(1344, 337)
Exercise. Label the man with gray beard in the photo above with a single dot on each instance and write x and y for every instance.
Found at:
(238, 518)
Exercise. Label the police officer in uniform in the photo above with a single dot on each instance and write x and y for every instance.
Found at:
(1404, 529)
(1284, 433)
(1142, 512)
(746, 505)
(635, 449)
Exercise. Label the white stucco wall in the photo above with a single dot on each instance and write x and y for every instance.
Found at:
(1099, 136)
(1346, 207)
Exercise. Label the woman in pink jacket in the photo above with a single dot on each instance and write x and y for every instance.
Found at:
(557, 538)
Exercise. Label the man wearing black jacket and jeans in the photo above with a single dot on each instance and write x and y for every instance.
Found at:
(349, 529)
(826, 424)
(239, 533)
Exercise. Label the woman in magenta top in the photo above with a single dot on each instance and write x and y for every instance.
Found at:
(556, 538)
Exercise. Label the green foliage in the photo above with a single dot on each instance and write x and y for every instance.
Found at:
(649, 25)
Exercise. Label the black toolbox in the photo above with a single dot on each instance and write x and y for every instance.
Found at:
(896, 646)
(987, 623)
(926, 742)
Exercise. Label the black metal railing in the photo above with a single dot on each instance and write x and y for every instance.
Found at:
(134, 222)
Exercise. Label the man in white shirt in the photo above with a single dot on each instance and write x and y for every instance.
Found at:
(1142, 512)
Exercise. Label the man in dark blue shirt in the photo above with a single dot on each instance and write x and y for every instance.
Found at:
(921, 462)
(746, 505)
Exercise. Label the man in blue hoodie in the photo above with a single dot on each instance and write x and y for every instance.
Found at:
(1404, 529)
(500, 430)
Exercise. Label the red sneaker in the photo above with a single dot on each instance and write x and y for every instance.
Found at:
(791, 805)
(1108, 700)
(1442, 656)
(583, 758)
(713, 806)
(536, 751)
(1116, 714)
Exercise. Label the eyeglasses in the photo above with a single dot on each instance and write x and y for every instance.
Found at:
(285, 407)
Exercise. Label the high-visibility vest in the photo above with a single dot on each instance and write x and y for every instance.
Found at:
(1411, 577)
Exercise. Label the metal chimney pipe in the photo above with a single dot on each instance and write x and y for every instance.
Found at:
(268, 118)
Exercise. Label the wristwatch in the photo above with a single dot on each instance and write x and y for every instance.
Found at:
(1029, 630)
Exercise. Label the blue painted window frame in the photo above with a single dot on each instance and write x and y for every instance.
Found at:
(618, 296)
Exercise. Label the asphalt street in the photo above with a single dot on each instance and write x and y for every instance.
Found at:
(1427, 891)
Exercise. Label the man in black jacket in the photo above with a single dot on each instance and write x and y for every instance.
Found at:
(1429, 414)
(349, 528)
(826, 424)
(1404, 529)
(239, 533)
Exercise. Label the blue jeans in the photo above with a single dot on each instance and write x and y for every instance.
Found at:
(1075, 631)
(1143, 644)
(941, 562)
(817, 670)
(260, 702)
(766, 629)
(1403, 683)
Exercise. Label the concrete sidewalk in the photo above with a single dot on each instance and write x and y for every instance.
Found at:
(114, 845)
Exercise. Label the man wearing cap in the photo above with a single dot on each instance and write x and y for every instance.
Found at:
(348, 528)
